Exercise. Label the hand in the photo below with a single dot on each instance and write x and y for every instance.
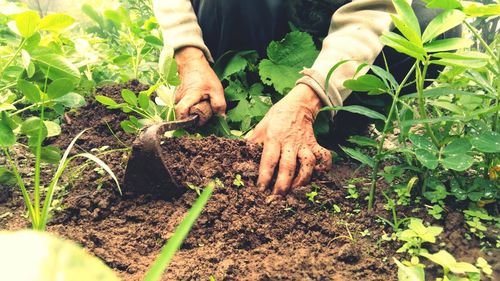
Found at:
(287, 135)
(198, 82)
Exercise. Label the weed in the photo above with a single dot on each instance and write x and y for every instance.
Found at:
(238, 182)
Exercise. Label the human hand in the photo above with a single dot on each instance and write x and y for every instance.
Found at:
(198, 82)
(287, 135)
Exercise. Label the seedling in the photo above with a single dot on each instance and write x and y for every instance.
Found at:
(416, 235)
(238, 182)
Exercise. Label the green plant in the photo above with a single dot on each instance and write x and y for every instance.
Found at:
(311, 196)
(238, 182)
(449, 130)
(450, 264)
(417, 234)
(396, 222)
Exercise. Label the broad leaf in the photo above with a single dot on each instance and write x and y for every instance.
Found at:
(56, 22)
(106, 101)
(235, 64)
(27, 23)
(7, 137)
(71, 100)
(286, 59)
(31, 127)
(422, 142)
(407, 18)
(457, 162)
(442, 23)
(409, 273)
(402, 45)
(366, 83)
(446, 260)
(53, 129)
(469, 59)
(448, 44)
(488, 142)
(29, 90)
(457, 146)
(129, 97)
(426, 158)
(444, 4)
(60, 87)
(51, 154)
(57, 67)
(473, 9)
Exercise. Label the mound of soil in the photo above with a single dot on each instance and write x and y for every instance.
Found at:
(242, 234)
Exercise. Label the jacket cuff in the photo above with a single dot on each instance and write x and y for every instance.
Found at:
(316, 81)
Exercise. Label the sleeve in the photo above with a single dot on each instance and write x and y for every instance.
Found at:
(354, 35)
(179, 25)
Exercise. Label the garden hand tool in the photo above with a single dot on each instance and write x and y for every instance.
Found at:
(147, 168)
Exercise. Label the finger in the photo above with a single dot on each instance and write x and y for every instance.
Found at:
(323, 157)
(268, 161)
(288, 163)
(179, 94)
(307, 161)
(182, 108)
(255, 135)
(218, 102)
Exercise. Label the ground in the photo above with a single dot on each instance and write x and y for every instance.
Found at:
(243, 234)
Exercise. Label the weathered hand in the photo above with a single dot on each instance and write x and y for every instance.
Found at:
(287, 135)
(198, 82)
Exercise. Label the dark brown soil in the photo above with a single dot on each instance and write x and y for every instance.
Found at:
(242, 234)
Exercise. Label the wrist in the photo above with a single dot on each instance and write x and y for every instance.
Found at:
(189, 56)
(309, 98)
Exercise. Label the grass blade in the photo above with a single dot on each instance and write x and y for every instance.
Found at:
(174, 243)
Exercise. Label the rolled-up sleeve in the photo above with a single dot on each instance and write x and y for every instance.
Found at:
(179, 25)
(354, 36)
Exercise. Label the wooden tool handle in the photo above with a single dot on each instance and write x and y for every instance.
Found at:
(203, 110)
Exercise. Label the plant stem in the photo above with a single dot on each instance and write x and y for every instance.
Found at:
(420, 75)
(13, 56)
(20, 183)
(395, 100)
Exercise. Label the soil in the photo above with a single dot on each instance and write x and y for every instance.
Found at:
(242, 234)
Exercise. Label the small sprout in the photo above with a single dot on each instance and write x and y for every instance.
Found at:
(218, 183)
(196, 188)
(365, 232)
(290, 209)
(484, 266)
(238, 182)
(435, 211)
(353, 192)
(336, 208)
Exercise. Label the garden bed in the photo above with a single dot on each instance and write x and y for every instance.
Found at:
(242, 234)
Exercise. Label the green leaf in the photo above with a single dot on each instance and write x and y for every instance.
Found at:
(488, 142)
(457, 162)
(446, 260)
(57, 67)
(235, 64)
(31, 126)
(175, 242)
(473, 9)
(448, 44)
(60, 87)
(103, 165)
(153, 40)
(444, 4)
(129, 97)
(50, 258)
(7, 177)
(408, 20)
(362, 141)
(71, 100)
(442, 23)
(29, 90)
(56, 22)
(143, 100)
(468, 59)
(365, 159)
(7, 137)
(402, 45)
(53, 129)
(357, 109)
(27, 23)
(422, 142)
(409, 273)
(50, 154)
(427, 158)
(286, 59)
(106, 101)
(457, 146)
(366, 83)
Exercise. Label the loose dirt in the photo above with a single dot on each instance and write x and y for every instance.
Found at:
(242, 234)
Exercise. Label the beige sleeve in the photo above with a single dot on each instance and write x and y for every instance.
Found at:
(354, 35)
(179, 25)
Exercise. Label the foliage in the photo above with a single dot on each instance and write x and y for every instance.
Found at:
(450, 129)
(417, 234)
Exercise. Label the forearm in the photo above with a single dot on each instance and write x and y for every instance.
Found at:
(354, 36)
(179, 25)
